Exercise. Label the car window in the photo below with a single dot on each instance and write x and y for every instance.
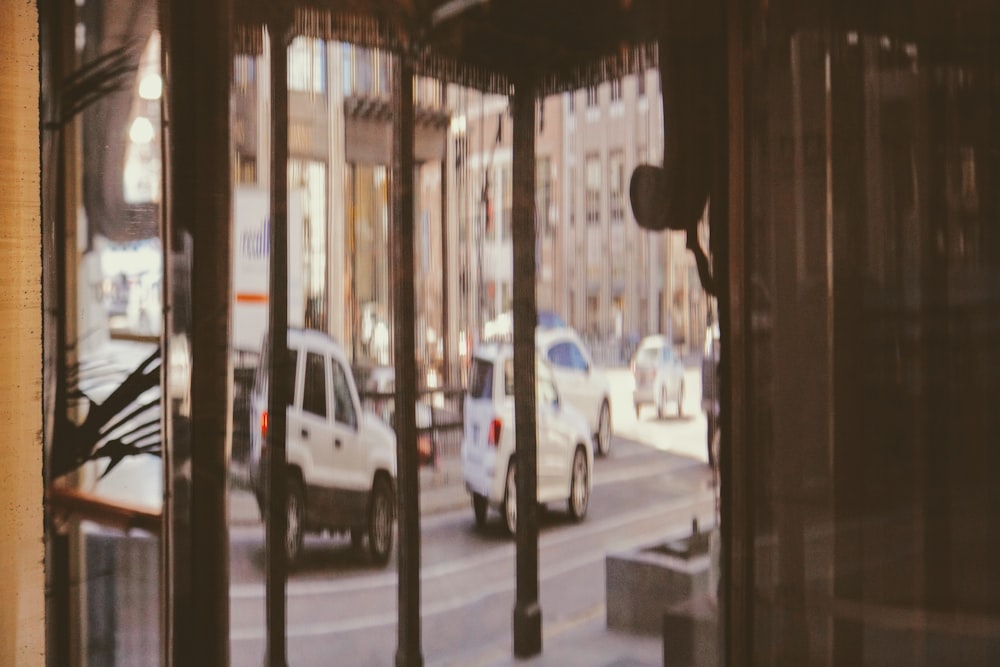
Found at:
(577, 359)
(561, 355)
(646, 355)
(314, 389)
(344, 411)
(481, 379)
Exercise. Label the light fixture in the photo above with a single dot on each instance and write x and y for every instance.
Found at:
(151, 86)
(142, 131)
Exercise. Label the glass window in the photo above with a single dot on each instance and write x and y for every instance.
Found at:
(344, 411)
(314, 387)
(592, 168)
(871, 288)
(481, 379)
(592, 98)
(307, 65)
(616, 184)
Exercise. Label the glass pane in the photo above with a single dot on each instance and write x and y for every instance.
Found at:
(872, 299)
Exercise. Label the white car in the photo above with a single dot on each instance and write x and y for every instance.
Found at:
(341, 467)
(565, 450)
(659, 376)
(583, 385)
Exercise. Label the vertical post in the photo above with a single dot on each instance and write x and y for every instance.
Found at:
(729, 248)
(527, 612)
(446, 342)
(278, 372)
(198, 58)
(401, 249)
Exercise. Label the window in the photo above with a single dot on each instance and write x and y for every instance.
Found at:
(592, 98)
(616, 90)
(616, 183)
(571, 101)
(481, 379)
(593, 192)
(307, 65)
(343, 402)
(640, 84)
(568, 355)
(543, 193)
(507, 211)
(572, 195)
(314, 389)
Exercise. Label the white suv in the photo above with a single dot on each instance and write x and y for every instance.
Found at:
(341, 467)
(565, 450)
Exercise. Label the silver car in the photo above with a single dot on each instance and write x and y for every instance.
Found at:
(659, 376)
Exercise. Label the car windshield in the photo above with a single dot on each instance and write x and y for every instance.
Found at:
(647, 355)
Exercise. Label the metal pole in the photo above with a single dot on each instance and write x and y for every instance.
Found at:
(198, 63)
(527, 612)
(404, 360)
(276, 524)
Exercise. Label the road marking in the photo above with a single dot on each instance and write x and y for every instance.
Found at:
(456, 602)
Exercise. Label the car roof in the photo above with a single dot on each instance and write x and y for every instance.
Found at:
(655, 340)
(314, 339)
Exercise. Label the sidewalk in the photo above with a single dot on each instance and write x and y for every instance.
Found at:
(587, 644)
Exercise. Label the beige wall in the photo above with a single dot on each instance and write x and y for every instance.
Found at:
(22, 610)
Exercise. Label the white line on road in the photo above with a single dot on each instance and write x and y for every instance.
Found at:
(459, 601)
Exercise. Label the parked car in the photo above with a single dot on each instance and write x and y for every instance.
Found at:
(659, 376)
(377, 387)
(565, 445)
(341, 459)
(583, 385)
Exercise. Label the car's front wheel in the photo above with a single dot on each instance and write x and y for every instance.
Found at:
(295, 519)
(510, 499)
(604, 430)
(579, 492)
(380, 522)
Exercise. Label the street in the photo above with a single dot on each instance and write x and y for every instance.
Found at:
(650, 488)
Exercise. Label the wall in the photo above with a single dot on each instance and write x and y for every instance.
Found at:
(22, 610)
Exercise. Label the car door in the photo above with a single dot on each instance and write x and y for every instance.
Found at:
(572, 373)
(553, 437)
(312, 429)
(349, 445)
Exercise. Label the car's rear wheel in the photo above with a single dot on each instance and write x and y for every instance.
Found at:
(661, 403)
(295, 518)
(604, 430)
(579, 492)
(680, 400)
(380, 522)
(479, 506)
(638, 409)
(510, 499)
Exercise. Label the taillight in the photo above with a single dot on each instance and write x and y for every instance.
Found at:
(263, 424)
(493, 437)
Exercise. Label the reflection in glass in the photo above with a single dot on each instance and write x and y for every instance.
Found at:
(872, 291)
